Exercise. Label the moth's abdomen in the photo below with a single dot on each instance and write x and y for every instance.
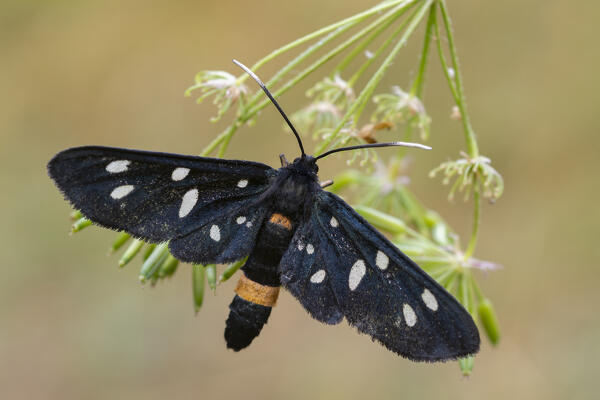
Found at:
(258, 288)
(244, 323)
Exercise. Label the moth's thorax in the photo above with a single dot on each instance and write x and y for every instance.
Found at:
(295, 187)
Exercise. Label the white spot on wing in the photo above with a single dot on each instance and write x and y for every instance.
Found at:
(180, 173)
(333, 222)
(190, 198)
(300, 246)
(243, 183)
(118, 166)
(310, 249)
(381, 260)
(409, 315)
(248, 224)
(215, 233)
(356, 274)
(121, 191)
(318, 276)
(240, 220)
(429, 300)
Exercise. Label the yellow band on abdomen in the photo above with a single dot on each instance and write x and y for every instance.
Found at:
(257, 293)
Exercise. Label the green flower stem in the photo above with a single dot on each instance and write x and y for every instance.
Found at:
(80, 224)
(379, 51)
(211, 276)
(153, 262)
(382, 220)
(344, 179)
(456, 87)
(348, 21)
(198, 286)
(466, 365)
(131, 251)
(225, 137)
(418, 83)
(337, 50)
(217, 141)
(232, 269)
(367, 92)
(472, 147)
(489, 320)
(397, 13)
(149, 249)
(121, 239)
(168, 267)
(476, 217)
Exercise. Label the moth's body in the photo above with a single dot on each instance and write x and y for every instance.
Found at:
(293, 187)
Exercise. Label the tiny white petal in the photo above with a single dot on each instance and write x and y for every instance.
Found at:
(180, 173)
(409, 315)
(121, 191)
(357, 272)
(318, 276)
(243, 183)
(381, 260)
(240, 220)
(429, 300)
(190, 198)
(300, 246)
(334, 222)
(118, 166)
(451, 73)
(310, 249)
(215, 233)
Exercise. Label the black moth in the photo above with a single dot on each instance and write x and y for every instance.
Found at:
(296, 235)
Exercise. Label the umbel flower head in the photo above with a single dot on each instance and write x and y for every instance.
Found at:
(400, 107)
(226, 88)
(471, 171)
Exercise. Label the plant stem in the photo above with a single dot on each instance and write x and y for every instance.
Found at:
(398, 12)
(307, 71)
(366, 93)
(350, 20)
(476, 216)
(378, 52)
(472, 147)
(417, 86)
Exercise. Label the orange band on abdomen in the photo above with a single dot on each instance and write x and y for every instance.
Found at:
(281, 220)
(257, 293)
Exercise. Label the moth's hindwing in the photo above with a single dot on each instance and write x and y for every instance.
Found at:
(209, 209)
(339, 265)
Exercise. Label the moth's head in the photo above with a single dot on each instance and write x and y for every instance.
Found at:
(305, 164)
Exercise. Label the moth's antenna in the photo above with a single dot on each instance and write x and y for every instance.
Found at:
(270, 96)
(366, 146)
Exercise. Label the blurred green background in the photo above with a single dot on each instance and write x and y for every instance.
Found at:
(113, 73)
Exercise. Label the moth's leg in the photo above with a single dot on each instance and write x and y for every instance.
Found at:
(326, 183)
(284, 161)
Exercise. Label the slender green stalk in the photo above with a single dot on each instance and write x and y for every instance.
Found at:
(337, 50)
(353, 19)
(378, 52)
(367, 92)
(396, 13)
(472, 147)
(418, 83)
(476, 216)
